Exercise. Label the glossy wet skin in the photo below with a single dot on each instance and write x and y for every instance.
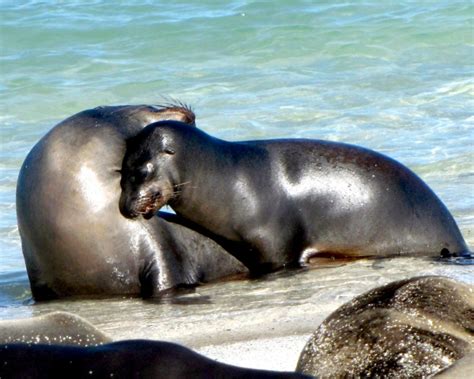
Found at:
(286, 201)
(75, 241)
(406, 329)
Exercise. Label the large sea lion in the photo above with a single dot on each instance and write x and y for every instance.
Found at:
(74, 239)
(285, 201)
(406, 329)
(123, 359)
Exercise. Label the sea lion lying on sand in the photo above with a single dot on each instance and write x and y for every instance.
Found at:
(123, 359)
(406, 329)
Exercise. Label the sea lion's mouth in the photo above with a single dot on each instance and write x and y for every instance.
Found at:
(145, 202)
(149, 212)
(148, 206)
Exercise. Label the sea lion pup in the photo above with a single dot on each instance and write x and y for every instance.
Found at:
(75, 241)
(58, 328)
(285, 202)
(123, 359)
(406, 329)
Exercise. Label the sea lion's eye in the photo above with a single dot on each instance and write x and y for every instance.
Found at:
(149, 168)
(143, 173)
(169, 151)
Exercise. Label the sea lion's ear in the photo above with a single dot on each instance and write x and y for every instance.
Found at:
(176, 111)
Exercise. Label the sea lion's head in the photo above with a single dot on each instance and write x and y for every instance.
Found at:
(147, 168)
(149, 174)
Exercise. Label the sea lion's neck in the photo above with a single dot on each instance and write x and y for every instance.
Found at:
(211, 170)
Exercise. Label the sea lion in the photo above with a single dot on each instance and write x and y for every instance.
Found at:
(123, 359)
(287, 201)
(406, 329)
(56, 328)
(75, 241)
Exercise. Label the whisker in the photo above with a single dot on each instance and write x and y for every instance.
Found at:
(177, 188)
(175, 192)
(182, 184)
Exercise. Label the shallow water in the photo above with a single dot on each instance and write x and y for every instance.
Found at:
(392, 76)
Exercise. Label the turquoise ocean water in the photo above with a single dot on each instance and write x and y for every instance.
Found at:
(394, 76)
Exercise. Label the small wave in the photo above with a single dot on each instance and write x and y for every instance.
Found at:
(14, 289)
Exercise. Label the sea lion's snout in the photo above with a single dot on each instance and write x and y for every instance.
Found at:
(144, 202)
(146, 205)
(149, 205)
(126, 209)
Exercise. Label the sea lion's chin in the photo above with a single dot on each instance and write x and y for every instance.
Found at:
(149, 214)
(151, 210)
(128, 213)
